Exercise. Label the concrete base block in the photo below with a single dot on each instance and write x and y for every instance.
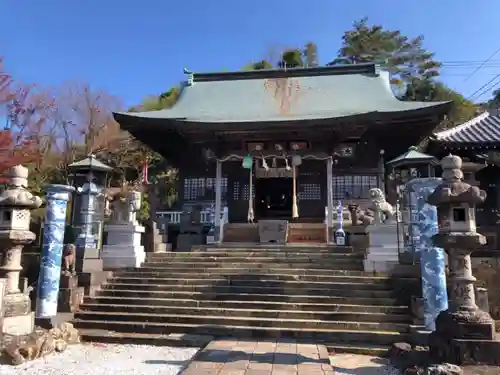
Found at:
(121, 256)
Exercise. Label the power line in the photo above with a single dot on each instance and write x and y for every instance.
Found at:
(483, 64)
(474, 94)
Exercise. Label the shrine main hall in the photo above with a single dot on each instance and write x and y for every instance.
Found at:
(284, 144)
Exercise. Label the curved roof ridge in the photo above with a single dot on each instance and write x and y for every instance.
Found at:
(367, 68)
(465, 125)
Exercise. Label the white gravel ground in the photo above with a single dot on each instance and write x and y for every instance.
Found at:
(107, 359)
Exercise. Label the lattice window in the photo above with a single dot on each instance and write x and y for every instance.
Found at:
(353, 186)
(309, 192)
(21, 215)
(246, 189)
(236, 191)
(203, 188)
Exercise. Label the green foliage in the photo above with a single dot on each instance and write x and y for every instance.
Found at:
(494, 102)
(431, 90)
(310, 54)
(143, 213)
(291, 58)
(165, 100)
(259, 65)
(405, 58)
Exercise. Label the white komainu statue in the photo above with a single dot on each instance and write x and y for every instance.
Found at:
(384, 212)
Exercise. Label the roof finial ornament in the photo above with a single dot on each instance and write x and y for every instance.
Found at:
(190, 77)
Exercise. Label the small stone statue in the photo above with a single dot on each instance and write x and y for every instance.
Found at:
(69, 259)
(384, 212)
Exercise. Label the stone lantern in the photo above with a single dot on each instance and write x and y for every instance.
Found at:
(16, 203)
(464, 333)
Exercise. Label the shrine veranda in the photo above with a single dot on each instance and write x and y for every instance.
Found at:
(315, 136)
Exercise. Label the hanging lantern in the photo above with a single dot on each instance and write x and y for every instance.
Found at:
(247, 162)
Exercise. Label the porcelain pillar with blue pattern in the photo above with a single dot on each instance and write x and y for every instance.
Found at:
(432, 258)
(57, 197)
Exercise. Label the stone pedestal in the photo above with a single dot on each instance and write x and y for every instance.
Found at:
(159, 234)
(123, 248)
(185, 241)
(273, 231)
(70, 294)
(382, 254)
(17, 316)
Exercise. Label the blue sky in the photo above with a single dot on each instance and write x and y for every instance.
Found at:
(133, 49)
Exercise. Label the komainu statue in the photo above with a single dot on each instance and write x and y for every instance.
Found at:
(384, 212)
(68, 259)
(359, 216)
(41, 343)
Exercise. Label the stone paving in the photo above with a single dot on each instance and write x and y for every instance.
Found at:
(247, 357)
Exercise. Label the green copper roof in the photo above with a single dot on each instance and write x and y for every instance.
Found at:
(412, 157)
(90, 163)
(284, 95)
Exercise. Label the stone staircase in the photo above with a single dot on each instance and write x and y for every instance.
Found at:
(308, 292)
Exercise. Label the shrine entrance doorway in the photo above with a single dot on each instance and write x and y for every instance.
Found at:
(273, 198)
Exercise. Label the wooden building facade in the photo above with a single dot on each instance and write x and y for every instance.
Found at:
(315, 136)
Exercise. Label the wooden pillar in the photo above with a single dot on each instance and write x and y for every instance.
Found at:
(329, 198)
(218, 199)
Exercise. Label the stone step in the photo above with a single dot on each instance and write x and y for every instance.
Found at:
(256, 290)
(245, 255)
(180, 303)
(237, 281)
(232, 295)
(303, 250)
(157, 339)
(359, 348)
(247, 313)
(272, 247)
(380, 280)
(146, 271)
(355, 265)
(344, 336)
(206, 258)
(121, 316)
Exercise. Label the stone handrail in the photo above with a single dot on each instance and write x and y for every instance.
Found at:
(174, 217)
